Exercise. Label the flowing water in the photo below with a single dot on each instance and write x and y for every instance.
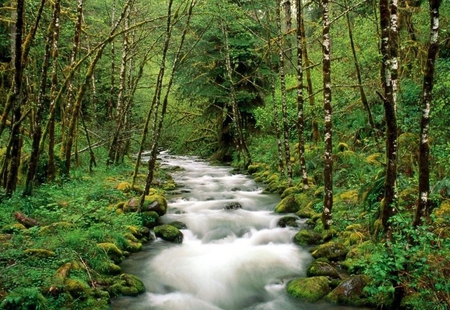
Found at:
(229, 259)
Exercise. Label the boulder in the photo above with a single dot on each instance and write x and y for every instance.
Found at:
(112, 251)
(292, 203)
(178, 224)
(350, 292)
(169, 233)
(331, 251)
(126, 285)
(309, 289)
(320, 268)
(156, 203)
(288, 221)
(307, 237)
(149, 219)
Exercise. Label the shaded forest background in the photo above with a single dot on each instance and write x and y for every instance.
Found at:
(346, 101)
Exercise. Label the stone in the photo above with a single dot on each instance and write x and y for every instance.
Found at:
(309, 289)
(307, 237)
(320, 268)
(149, 219)
(126, 285)
(288, 221)
(331, 251)
(169, 233)
(350, 292)
(233, 206)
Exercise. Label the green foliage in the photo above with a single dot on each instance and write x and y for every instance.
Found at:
(416, 259)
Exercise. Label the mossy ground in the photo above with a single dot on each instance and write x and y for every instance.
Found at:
(70, 260)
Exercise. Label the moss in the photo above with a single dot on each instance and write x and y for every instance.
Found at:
(13, 228)
(331, 251)
(149, 219)
(52, 228)
(169, 233)
(40, 253)
(292, 203)
(156, 203)
(112, 251)
(350, 292)
(342, 146)
(127, 285)
(321, 268)
(76, 288)
(443, 210)
(124, 187)
(307, 237)
(310, 289)
(291, 191)
(350, 197)
(374, 159)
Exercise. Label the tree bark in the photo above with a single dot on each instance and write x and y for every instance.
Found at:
(423, 209)
(300, 98)
(358, 70)
(327, 217)
(41, 100)
(287, 152)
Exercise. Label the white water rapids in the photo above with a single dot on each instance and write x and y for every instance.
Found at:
(229, 259)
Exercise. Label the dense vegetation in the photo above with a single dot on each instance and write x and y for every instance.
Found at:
(341, 105)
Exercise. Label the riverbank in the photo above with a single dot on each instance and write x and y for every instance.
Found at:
(62, 247)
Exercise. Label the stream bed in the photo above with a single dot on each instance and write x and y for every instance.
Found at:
(233, 256)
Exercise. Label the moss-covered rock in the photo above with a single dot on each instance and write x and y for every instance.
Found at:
(321, 268)
(149, 219)
(331, 251)
(292, 203)
(156, 203)
(288, 221)
(178, 224)
(307, 237)
(309, 289)
(13, 228)
(124, 187)
(169, 233)
(256, 167)
(112, 251)
(291, 191)
(76, 288)
(40, 253)
(350, 292)
(126, 285)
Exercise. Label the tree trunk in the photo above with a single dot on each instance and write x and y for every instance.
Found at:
(328, 134)
(41, 100)
(300, 99)
(423, 209)
(11, 163)
(390, 195)
(358, 70)
(287, 152)
(237, 119)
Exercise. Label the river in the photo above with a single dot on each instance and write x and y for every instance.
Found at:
(230, 259)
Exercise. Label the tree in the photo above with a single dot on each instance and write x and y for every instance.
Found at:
(328, 132)
(423, 208)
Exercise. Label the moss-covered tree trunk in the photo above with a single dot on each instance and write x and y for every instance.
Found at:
(287, 151)
(300, 98)
(41, 101)
(423, 209)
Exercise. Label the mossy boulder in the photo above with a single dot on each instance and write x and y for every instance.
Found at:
(306, 213)
(112, 251)
(288, 221)
(126, 285)
(350, 292)
(156, 203)
(309, 289)
(331, 251)
(291, 191)
(256, 167)
(149, 219)
(307, 237)
(292, 203)
(321, 268)
(14, 228)
(124, 187)
(169, 233)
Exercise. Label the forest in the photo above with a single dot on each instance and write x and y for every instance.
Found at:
(337, 106)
